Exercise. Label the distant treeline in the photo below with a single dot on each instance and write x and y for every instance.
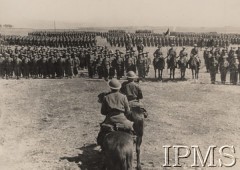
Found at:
(6, 26)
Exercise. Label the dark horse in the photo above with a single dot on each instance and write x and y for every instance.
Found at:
(172, 64)
(118, 145)
(194, 64)
(158, 64)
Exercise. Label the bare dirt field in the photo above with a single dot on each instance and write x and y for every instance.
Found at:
(53, 124)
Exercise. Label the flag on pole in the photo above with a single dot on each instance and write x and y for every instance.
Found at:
(167, 33)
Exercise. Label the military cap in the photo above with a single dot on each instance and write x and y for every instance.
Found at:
(131, 75)
(114, 84)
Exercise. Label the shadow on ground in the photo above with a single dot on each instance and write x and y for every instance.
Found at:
(90, 159)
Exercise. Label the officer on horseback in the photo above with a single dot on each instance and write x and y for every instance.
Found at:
(116, 108)
(133, 92)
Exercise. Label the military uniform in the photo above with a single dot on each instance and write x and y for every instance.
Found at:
(234, 70)
(147, 64)
(91, 65)
(60, 66)
(51, 66)
(213, 62)
(115, 107)
(26, 67)
(131, 90)
(182, 62)
(17, 66)
(69, 66)
(112, 68)
(206, 59)
(35, 67)
(1, 65)
(224, 65)
(119, 62)
(99, 65)
(106, 67)
(8, 65)
(76, 64)
(141, 66)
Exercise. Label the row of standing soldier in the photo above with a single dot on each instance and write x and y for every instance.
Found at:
(223, 61)
(45, 62)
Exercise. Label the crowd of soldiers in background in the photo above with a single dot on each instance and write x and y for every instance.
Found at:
(150, 39)
(48, 62)
(53, 39)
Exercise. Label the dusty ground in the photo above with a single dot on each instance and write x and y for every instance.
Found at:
(52, 124)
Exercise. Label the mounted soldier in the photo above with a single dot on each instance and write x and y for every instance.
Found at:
(172, 61)
(158, 62)
(182, 62)
(116, 108)
(194, 62)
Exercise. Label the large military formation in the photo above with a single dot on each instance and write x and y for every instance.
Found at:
(54, 39)
(150, 39)
(67, 54)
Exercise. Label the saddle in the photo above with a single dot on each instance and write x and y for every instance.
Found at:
(105, 129)
(137, 107)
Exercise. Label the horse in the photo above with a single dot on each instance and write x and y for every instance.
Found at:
(158, 64)
(182, 62)
(194, 64)
(118, 145)
(172, 64)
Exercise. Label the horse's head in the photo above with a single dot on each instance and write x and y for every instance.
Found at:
(101, 97)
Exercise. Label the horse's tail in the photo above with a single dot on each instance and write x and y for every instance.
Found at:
(118, 150)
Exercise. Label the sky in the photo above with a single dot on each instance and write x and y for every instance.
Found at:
(118, 13)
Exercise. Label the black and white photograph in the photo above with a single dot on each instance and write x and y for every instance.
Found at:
(119, 85)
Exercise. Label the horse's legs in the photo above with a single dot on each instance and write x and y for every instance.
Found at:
(158, 73)
(161, 74)
(196, 74)
(155, 73)
(173, 73)
(170, 73)
(184, 71)
(138, 144)
(192, 73)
